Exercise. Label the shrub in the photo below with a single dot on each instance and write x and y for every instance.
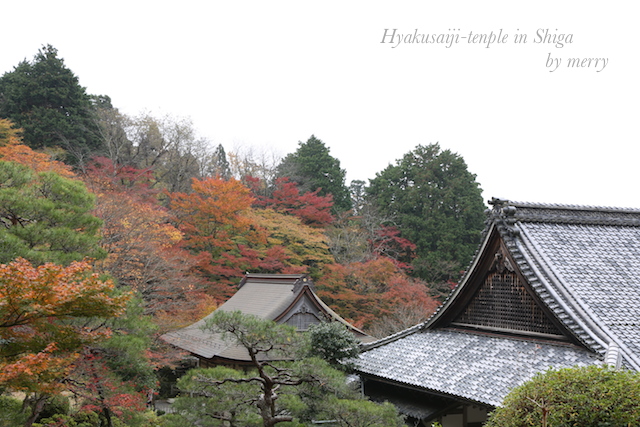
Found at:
(333, 342)
(56, 404)
(586, 397)
(10, 411)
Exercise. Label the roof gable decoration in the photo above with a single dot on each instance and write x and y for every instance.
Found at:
(495, 297)
(302, 315)
(503, 303)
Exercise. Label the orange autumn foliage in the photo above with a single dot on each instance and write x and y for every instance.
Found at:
(363, 292)
(37, 306)
(218, 231)
(143, 248)
(312, 209)
(12, 150)
(43, 369)
(213, 214)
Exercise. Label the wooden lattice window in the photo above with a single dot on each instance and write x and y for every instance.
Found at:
(302, 321)
(503, 303)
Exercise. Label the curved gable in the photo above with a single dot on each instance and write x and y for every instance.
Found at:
(495, 297)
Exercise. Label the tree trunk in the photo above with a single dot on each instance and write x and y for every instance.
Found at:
(36, 404)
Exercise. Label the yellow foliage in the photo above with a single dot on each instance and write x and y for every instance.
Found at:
(304, 245)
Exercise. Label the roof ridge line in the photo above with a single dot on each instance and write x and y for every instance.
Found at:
(405, 332)
(595, 208)
(507, 213)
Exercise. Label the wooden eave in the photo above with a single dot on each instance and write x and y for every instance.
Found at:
(454, 400)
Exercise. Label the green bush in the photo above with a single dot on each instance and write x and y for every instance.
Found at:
(587, 397)
(79, 419)
(56, 404)
(332, 341)
(10, 412)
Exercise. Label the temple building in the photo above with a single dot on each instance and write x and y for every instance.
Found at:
(283, 298)
(550, 286)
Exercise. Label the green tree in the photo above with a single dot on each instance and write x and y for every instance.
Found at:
(218, 164)
(279, 388)
(45, 98)
(45, 217)
(363, 413)
(113, 377)
(333, 342)
(11, 413)
(312, 167)
(436, 204)
(592, 396)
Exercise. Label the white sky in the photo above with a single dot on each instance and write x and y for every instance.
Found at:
(270, 74)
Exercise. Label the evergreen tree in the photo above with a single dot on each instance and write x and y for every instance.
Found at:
(45, 98)
(220, 164)
(312, 167)
(45, 217)
(437, 204)
(277, 389)
(333, 342)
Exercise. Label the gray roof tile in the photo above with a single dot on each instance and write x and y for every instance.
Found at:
(476, 367)
(598, 267)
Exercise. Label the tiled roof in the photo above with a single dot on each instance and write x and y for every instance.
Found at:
(267, 296)
(264, 300)
(476, 367)
(583, 263)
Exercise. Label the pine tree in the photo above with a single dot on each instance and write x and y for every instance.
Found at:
(45, 217)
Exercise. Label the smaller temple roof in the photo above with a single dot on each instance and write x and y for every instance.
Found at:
(267, 296)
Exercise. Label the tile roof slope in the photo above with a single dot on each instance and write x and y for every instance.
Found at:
(588, 262)
(263, 299)
(479, 368)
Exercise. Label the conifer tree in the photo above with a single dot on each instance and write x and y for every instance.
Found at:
(45, 98)
(313, 168)
(45, 217)
(436, 204)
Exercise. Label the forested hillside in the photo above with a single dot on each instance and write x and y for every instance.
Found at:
(118, 228)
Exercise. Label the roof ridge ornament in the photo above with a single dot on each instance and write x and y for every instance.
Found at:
(511, 211)
(612, 356)
(501, 262)
(503, 215)
(302, 281)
